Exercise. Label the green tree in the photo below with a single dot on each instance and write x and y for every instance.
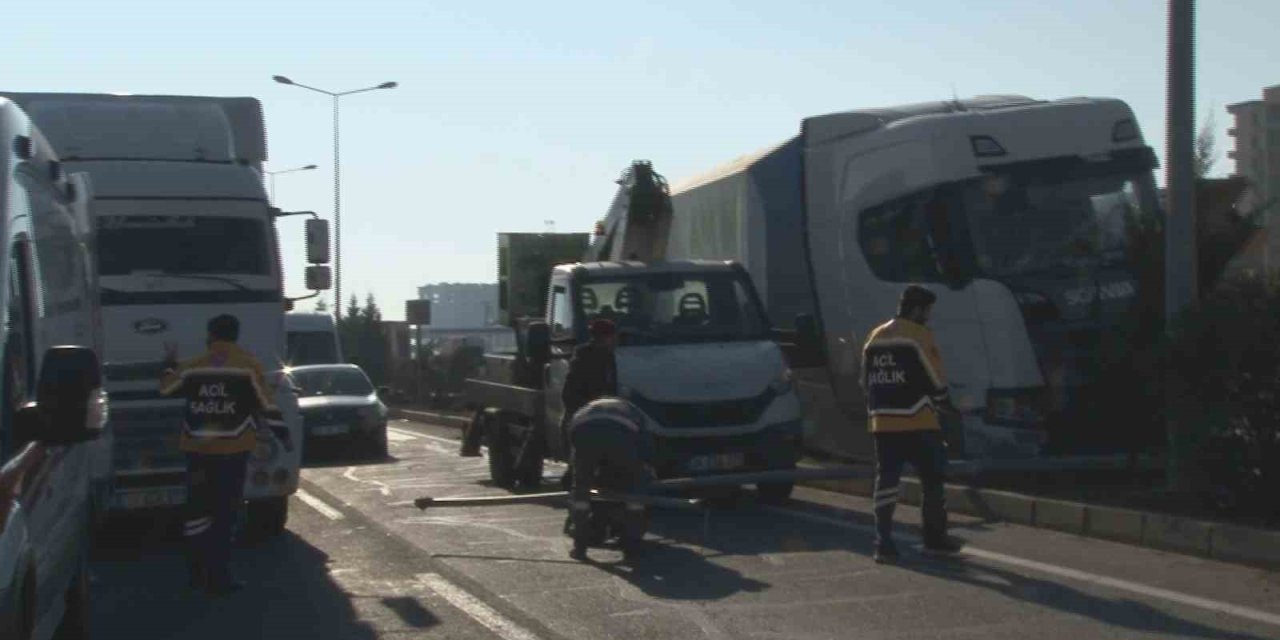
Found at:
(363, 339)
(1206, 148)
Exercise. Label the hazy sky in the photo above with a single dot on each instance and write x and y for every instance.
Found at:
(511, 114)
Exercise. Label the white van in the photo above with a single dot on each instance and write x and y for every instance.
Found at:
(312, 338)
(52, 404)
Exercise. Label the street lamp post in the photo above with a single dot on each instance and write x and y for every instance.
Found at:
(273, 177)
(337, 189)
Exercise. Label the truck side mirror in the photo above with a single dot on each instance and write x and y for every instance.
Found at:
(319, 278)
(538, 341)
(318, 241)
(70, 405)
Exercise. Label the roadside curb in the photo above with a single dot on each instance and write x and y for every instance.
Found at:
(1218, 541)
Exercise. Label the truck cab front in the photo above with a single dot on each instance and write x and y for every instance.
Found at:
(695, 353)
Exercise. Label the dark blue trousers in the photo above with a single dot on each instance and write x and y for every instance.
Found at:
(215, 489)
(926, 451)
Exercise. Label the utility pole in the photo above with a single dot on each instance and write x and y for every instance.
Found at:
(1180, 226)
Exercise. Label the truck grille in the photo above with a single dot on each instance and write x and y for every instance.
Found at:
(147, 438)
(725, 413)
(133, 371)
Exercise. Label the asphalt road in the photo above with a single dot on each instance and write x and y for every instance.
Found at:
(360, 562)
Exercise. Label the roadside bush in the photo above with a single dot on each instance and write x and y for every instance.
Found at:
(1222, 370)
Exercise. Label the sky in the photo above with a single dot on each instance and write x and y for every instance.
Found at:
(512, 114)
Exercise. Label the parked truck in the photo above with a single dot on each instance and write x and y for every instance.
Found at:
(185, 232)
(1011, 210)
(696, 353)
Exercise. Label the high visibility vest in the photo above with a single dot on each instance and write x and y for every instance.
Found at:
(903, 377)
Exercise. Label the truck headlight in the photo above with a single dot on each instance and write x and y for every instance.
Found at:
(783, 384)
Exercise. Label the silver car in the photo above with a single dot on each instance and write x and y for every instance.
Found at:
(338, 402)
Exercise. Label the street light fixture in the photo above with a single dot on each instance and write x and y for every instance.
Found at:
(337, 189)
(273, 177)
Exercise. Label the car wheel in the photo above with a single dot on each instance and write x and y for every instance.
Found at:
(378, 444)
(501, 457)
(75, 620)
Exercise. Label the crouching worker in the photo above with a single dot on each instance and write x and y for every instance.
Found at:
(610, 449)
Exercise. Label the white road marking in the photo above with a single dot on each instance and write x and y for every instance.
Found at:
(319, 505)
(448, 441)
(1065, 572)
(396, 435)
(492, 620)
(351, 475)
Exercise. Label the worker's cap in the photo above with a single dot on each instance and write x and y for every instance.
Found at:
(602, 328)
(916, 296)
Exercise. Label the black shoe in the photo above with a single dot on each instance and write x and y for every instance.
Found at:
(468, 452)
(946, 547)
(578, 553)
(885, 554)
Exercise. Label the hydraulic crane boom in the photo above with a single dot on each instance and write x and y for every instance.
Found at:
(638, 221)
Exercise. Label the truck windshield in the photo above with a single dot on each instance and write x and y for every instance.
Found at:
(182, 245)
(666, 308)
(1023, 224)
(332, 382)
(311, 347)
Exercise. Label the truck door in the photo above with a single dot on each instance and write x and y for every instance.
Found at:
(560, 321)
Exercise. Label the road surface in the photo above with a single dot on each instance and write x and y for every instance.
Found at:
(360, 562)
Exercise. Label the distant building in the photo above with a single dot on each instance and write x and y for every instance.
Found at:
(1257, 158)
(461, 305)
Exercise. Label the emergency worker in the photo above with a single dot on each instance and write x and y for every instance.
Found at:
(593, 372)
(228, 403)
(610, 449)
(906, 390)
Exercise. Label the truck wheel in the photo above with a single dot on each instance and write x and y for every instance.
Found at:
(775, 492)
(75, 620)
(531, 474)
(267, 517)
(501, 457)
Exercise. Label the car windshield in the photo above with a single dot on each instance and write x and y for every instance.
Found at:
(1021, 225)
(182, 245)
(333, 382)
(675, 307)
(311, 347)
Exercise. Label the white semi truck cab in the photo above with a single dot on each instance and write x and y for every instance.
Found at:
(1012, 210)
(185, 232)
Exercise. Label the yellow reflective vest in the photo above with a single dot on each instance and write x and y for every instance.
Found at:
(222, 411)
(903, 377)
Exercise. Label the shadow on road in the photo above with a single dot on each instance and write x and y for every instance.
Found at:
(682, 573)
(1119, 613)
(140, 590)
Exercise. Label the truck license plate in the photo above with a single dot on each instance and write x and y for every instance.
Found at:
(152, 498)
(330, 430)
(717, 462)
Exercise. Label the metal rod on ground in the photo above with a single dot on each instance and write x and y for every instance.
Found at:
(534, 498)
